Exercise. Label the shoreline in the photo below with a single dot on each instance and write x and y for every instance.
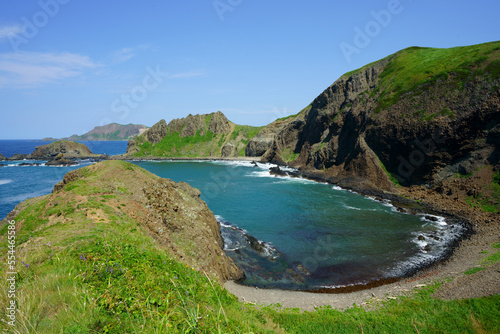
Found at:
(455, 284)
(465, 253)
(132, 159)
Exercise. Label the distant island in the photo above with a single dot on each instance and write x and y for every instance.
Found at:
(108, 132)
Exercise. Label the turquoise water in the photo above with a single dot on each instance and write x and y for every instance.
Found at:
(311, 235)
(283, 232)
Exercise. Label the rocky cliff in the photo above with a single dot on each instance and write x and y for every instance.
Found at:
(112, 131)
(211, 135)
(416, 117)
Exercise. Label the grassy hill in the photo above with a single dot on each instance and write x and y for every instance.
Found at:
(415, 70)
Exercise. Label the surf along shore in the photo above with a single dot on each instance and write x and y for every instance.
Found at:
(452, 271)
(482, 231)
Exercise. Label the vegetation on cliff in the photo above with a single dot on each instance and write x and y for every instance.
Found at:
(418, 117)
(211, 135)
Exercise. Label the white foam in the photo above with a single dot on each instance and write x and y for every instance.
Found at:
(440, 220)
(234, 163)
(5, 181)
(261, 173)
(338, 286)
(420, 243)
(351, 207)
(280, 178)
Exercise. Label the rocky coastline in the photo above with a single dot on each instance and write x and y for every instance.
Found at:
(59, 153)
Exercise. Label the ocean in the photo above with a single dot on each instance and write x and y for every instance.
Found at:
(18, 183)
(284, 232)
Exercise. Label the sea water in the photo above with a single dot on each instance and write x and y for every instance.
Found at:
(283, 232)
(18, 183)
(309, 235)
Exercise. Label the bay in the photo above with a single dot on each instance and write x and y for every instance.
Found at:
(283, 232)
(309, 235)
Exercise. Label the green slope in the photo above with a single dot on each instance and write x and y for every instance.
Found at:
(203, 143)
(416, 69)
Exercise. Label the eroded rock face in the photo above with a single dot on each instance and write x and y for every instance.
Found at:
(227, 150)
(421, 138)
(219, 123)
(184, 222)
(156, 133)
(263, 141)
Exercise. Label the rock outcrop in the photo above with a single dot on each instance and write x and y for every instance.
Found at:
(400, 118)
(156, 133)
(69, 149)
(263, 141)
(2, 157)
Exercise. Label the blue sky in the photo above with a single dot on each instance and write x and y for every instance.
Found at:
(69, 65)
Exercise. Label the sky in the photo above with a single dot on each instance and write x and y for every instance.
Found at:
(67, 66)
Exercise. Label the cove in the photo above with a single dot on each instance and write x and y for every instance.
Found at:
(297, 234)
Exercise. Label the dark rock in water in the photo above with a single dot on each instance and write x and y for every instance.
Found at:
(259, 246)
(255, 164)
(2, 157)
(432, 219)
(276, 171)
(421, 238)
(29, 164)
(427, 248)
(19, 156)
(60, 160)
